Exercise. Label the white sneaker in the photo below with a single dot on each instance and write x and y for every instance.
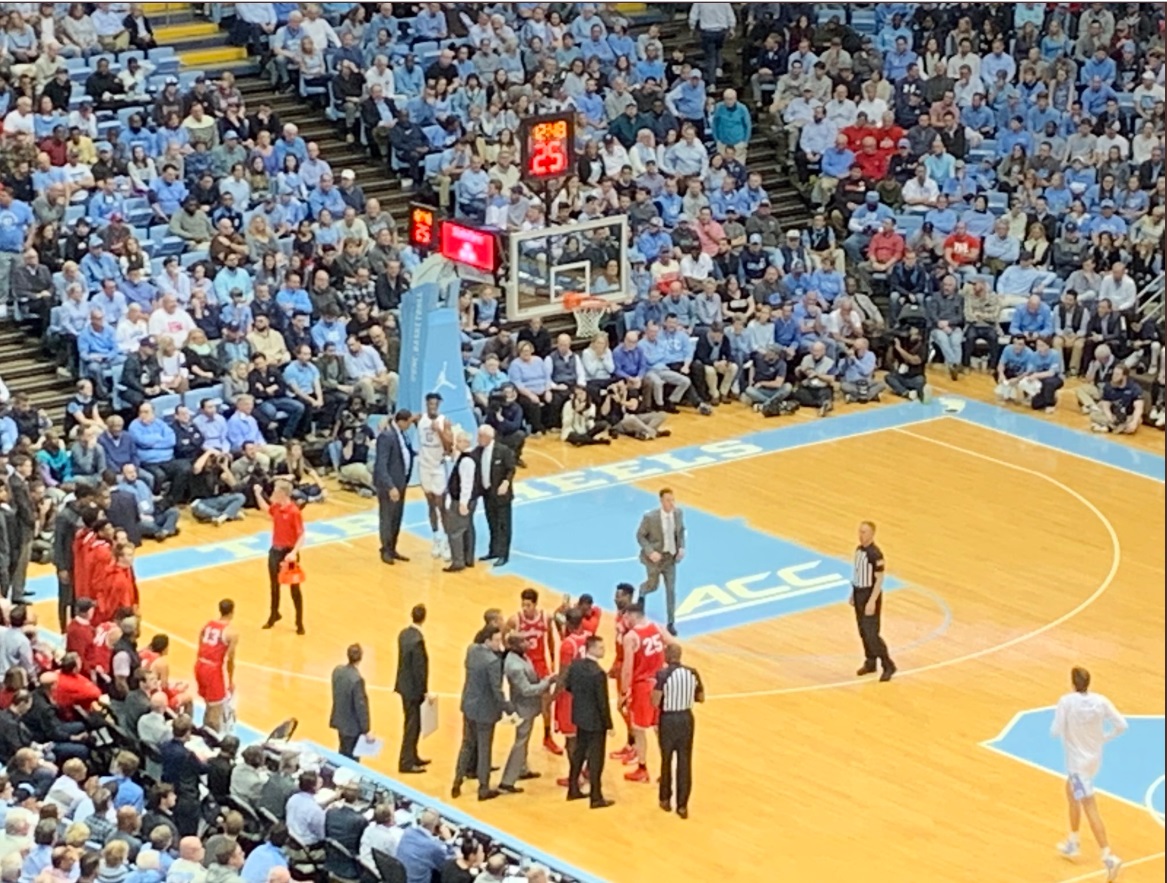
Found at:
(1113, 865)
(436, 548)
(913, 395)
(1068, 849)
(446, 555)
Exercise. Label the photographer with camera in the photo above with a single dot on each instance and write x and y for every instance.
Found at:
(906, 378)
(504, 415)
(213, 489)
(622, 408)
(859, 383)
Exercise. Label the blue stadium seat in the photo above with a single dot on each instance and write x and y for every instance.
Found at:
(138, 211)
(127, 54)
(74, 213)
(998, 202)
(193, 398)
(424, 47)
(192, 257)
(156, 268)
(77, 66)
(169, 245)
(824, 13)
(863, 21)
(907, 224)
(166, 405)
(114, 66)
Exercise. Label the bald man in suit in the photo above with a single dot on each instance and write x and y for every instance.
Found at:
(661, 537)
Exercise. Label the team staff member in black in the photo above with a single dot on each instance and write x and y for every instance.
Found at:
(592, 715)
(867, 599)
(496, 468)
(677, 687)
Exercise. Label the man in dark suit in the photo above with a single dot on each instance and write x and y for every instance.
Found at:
(345, 823)
(497, 469)
(26, 520)
(350, 702)
(483, 705)
(412, 685)
(591, 713)
(391, 470)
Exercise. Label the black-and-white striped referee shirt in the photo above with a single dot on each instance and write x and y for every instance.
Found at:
(868, 562)
(679, 687)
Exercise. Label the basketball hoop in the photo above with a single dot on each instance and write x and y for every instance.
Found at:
(588, 312)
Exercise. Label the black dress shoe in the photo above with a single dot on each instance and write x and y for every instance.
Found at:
(387, 559)
(487, 557)
(666, 806)
(456, 790)
(575, 795)
(272, 620)
(409, 770)
(683, 812)
(421, 761)
(866, 669)
(399, 557)
(888, 671)
(452, 569)
(602, 804)
(671, 629)
(510, 789)
(488, 794)
(529, 774)
(501, 562)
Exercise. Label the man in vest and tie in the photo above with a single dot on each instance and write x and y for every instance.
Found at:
(392, 466)
(462, 492)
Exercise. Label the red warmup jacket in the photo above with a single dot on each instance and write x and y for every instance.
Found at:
(74, 691)
(79, 638)
(118, 588)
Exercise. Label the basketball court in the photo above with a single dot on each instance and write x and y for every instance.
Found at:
(1016, 548)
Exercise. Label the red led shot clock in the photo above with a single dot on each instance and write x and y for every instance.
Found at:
(423, 224)
(548, 146)
(470, 246)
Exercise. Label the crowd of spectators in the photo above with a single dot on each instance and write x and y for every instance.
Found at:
(107, 779)
(227, 305)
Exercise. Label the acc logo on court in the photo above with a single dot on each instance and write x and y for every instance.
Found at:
(761, 588)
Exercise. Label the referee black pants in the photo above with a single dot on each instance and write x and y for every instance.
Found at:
(873, 646)
(676, 738)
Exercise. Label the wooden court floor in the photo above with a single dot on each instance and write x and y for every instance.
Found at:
(1043, 559)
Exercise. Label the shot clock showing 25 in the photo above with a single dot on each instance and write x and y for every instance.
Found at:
(548, 146)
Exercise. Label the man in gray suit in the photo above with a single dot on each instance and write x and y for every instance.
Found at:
(527, 692)
(350, 702)
(483, 705)
(392, 465)
(661, 537)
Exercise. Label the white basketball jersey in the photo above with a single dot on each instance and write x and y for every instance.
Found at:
(431, 452)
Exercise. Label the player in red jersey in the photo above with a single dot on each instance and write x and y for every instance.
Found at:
(572, 647)
(533, 626)
(625, 592)
(644, 656)
(588, 610)
(155, 658)
(215, 664)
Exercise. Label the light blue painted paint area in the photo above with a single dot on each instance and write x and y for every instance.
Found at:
(733, 573)
(1132, 764)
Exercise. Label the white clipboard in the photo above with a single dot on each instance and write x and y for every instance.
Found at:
(367, 747)
(429, 717)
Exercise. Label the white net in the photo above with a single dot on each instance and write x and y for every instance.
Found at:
(587, 320)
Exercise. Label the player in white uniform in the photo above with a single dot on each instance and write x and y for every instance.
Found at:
(1081, 722)
(436, 440)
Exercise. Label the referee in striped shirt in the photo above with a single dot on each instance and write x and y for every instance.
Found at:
(867, 599)
(677, 687)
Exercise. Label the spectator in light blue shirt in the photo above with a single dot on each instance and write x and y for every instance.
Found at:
(424, 848)
(686, 100)
(1034, 320)
(98, 265)
(942, 217)
(1095, 96)
(97, 350)
(998, 60)
(1099, 67)
(212, 426)
(898, 60)
(167, 192)
(1046, 369)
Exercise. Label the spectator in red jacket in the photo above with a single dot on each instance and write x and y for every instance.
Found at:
(73, 689)
(80, 634)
